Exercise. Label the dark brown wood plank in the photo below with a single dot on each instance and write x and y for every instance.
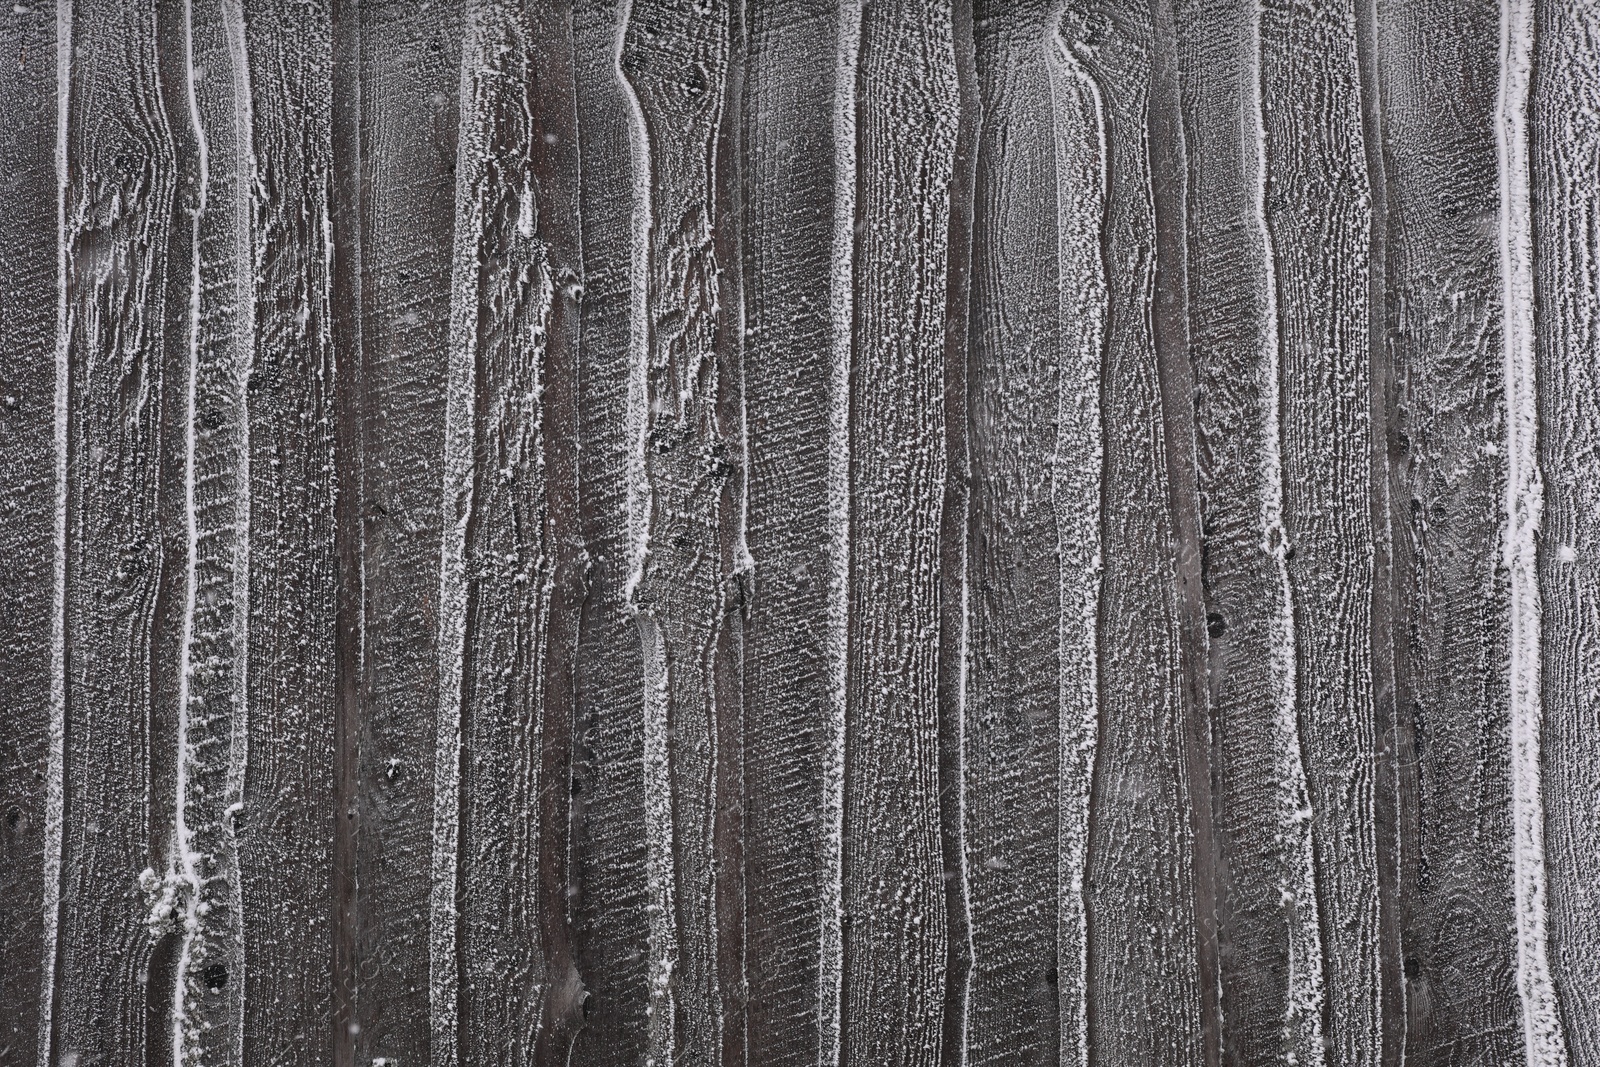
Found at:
(209, 1003)
(895, 940)
(1444, 297)
(609, 888)
(505, 987)
(128, 183)
(30, 260)
(1320, 209)
(1558, 769)
(792, 136)
(286, 826)
(409, 74)
(1271, 972)
(1145, 912)
(954, 552)
(1012, 728)
(687, 585)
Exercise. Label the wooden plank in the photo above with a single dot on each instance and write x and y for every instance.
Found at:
(409, 72)
(208, 1004)
(1394, 792)
(609, 890)
(124, 357)
(1556, 764)
(286, 825)
(1271, 976)
(687, 584)
(1012, 729)
(953, 594)
(1320, 205)
(505, 987)
(793, 637)
(30, 260)
(1443, 267)
(895, 944)
(349, 410)
(1145, 915)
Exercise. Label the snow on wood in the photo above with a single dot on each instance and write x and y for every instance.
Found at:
(629, 532)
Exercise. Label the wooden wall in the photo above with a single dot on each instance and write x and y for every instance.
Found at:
(778, 532)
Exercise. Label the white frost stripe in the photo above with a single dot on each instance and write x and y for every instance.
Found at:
(185, 862)
(1307, 984)
(239, 751)
(830, 985)
(1524, 507)
(55, 797)
(457, 503)
(660, 857)
(1080, 196)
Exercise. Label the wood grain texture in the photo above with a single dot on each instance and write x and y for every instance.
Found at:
(1319, 210)
(123, 341)
(408, 70)
(610, 893)
(212, 702)
(793, 637)
(1445, 334)
(1563, 163)
(838, 532)
(1274, 993)
(1021, 366)
(1077, 502)
(689, 572)
(505, 987)
(30, 258)
(893, 999)
(286, 824)
(1141, 893)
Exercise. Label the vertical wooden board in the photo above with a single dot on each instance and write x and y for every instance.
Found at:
(953, 510)
(286, 825)
(1319, 218)
(686, 585)
(1076, 503)
(1011, 717)
(505, 988)
(1393, 796)
(207, 1002)
(793, 642)
(556, 167)
(1564, 158)
(349, 409)
(121, 335)
(609, 893)
(409, 76)
(1144, 926)
(346, 409)
(1444, 301)
(30, 257)
(894, 900)
(1271, 952)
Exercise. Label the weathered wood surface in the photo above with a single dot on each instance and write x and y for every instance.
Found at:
(30, 286)
(817, 532)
